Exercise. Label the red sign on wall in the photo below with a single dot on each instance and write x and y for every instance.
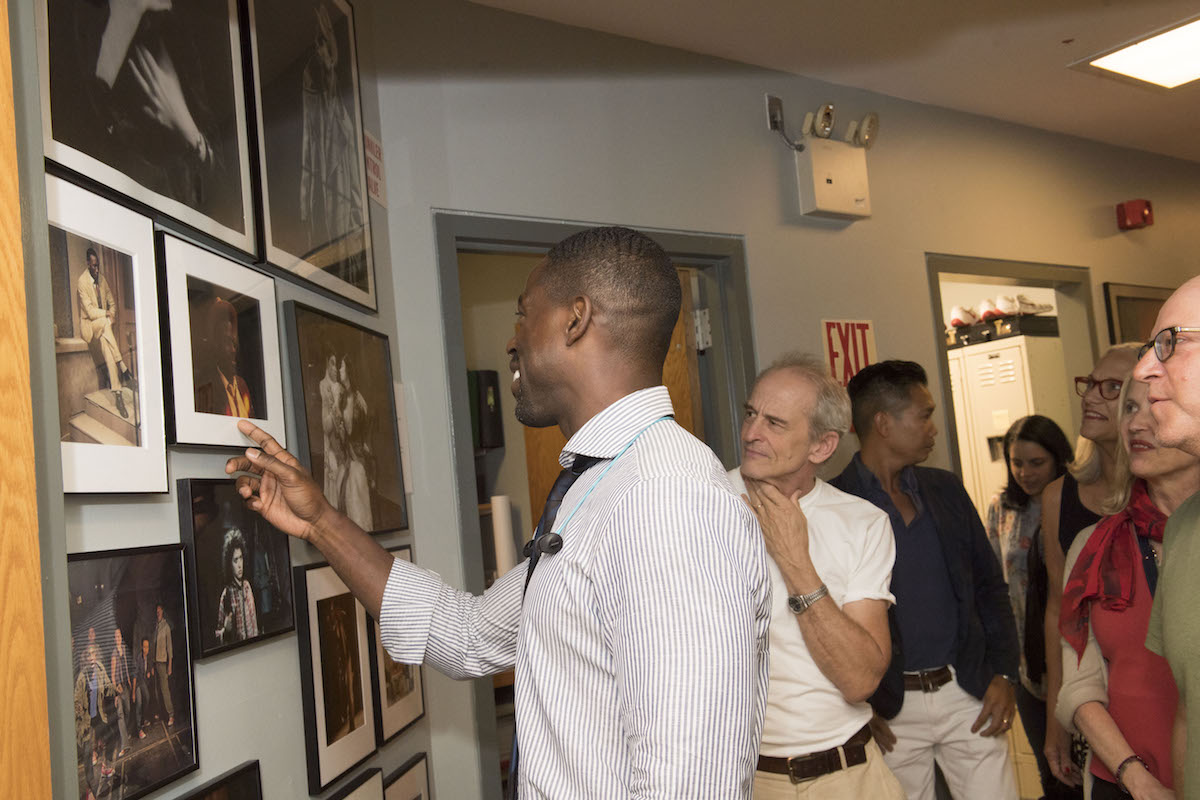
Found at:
(849, 346)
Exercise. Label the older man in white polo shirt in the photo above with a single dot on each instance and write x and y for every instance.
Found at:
(832, 556)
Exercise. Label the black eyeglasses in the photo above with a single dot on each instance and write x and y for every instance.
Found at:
(1110, 388)
(1164, 342)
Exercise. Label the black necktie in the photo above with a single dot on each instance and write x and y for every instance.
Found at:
(549, 512)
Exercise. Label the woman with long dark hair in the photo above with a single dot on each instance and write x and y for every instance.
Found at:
(1036, 451)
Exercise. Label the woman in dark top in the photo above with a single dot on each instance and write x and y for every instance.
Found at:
(1069, 505)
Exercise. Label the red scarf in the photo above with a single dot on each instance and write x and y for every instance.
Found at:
(1106, 570)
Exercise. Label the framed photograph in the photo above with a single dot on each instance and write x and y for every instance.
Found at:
(339, 718)
(346, 428)
(316, 223)
(149, 100)
(224, 347)
(240, 783)
(106, 346)
(410, 782)
(367, 786)
(239, 568)
(396, 688)
(1132, 311)
(135, 728)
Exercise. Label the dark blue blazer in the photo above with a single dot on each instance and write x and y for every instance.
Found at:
(987, 632)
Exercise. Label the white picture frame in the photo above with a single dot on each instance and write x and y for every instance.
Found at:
(122, 463)
(194, 167)
(189, 269)
(410, 781)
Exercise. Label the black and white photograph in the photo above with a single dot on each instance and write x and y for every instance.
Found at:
(134, 714)
(316, 219)
(339, 717)
(224, 345)
(347, 431)
(410, 781)
(395, 688)
(106, 345)
(368, 785)
(239, 568)
(148, 98)
(243, 782)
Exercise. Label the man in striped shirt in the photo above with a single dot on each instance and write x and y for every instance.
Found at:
(640, 644)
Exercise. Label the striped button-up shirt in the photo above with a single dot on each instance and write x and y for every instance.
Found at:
(641, 646)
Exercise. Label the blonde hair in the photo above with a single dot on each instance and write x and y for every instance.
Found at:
(1122, 485)
(1087, 467)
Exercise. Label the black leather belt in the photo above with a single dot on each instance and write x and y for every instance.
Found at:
(814, 765)
(927, 680)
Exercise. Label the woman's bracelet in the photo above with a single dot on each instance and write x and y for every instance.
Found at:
(1120, 771)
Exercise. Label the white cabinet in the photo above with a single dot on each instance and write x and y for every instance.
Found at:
(993, 385)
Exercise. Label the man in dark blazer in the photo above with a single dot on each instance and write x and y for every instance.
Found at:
(948, 694)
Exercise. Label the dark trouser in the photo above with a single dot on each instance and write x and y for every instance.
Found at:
(101, 739)
(141, 702)
(1033, 717)
(121, 701)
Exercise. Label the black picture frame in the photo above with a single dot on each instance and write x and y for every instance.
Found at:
(243, 782)
(213, 518)
(398, 690)
(412, 776)
(367, 785)
(316, 217)
(1132, 310)
(190, 157)
(331, 625)
(368, 485)
(208, 300)
(121, 591)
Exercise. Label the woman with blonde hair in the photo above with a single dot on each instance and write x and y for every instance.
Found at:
(1072, 503)
(1118, 694)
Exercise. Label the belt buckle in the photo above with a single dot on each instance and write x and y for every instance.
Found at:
(794, 761)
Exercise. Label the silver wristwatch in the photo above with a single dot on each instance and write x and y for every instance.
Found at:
(799, 603)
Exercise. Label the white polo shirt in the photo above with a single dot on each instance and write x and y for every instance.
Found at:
(851, 545)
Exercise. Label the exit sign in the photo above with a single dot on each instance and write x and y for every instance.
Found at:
(849, 346)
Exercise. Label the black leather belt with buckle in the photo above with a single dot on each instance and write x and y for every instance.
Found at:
(814, 765)
(927, 680)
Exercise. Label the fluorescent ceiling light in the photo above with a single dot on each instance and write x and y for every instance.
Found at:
(1168, 59)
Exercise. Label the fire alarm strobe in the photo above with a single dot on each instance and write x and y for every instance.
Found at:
(1134, 214)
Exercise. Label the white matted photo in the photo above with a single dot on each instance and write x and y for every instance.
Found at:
(396, 688)
(339, 717)
(106, 346)
(224, 344)
(367, 786)
(149, 100)
(410, 782)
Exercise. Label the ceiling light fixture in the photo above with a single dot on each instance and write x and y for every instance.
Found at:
(1168, 58)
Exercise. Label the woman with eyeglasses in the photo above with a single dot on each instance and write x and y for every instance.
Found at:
(1072, 503)
(1036, 451)
(1118, 694)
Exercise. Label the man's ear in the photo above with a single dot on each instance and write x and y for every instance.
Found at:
(580, 319)
(882, 423)
(824, 447)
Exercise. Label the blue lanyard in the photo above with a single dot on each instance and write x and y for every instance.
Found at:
(591, 488)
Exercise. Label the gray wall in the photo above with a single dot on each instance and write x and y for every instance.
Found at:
(484, 111)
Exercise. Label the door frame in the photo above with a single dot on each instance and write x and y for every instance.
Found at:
(1074, 283)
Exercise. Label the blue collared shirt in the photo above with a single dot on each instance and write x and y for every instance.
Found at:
(926, 607)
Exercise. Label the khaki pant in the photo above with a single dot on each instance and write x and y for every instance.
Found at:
(104, 350)
(869, 781)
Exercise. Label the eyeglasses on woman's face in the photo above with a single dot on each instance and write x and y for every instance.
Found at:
(1109, 387)
(1164, 342)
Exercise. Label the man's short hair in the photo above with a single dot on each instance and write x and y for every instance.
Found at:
(91, 253)
(628, 277)
(885, 386)
(831, 409)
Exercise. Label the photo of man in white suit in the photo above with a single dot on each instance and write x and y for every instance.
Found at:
(97, 313)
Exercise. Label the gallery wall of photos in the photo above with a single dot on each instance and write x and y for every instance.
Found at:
(209, 234)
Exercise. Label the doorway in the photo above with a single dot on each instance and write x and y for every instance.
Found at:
(483, 262)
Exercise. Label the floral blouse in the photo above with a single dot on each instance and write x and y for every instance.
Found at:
(1010, 532)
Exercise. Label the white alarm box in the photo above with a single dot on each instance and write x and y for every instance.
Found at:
(832, 176)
